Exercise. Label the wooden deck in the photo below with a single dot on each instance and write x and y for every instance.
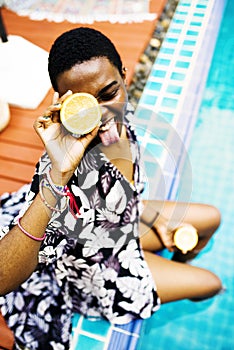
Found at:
(20, 147)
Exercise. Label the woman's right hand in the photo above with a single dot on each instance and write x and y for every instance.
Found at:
(64, 150)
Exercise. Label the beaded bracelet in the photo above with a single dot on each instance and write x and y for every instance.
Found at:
(46, 203)
(28, 234)
(59, 189)
(64, 191)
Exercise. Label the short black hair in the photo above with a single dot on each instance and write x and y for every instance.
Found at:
(77, 46)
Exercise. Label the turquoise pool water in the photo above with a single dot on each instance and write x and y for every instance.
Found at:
(208, 325)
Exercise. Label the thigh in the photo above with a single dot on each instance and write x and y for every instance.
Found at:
(149, 240)
(176, 281)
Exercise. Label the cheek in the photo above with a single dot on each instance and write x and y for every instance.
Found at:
(121, 103)
(123, 95)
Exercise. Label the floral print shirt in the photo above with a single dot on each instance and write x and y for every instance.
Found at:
(91, 263)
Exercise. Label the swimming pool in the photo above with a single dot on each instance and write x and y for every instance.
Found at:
(209, 324)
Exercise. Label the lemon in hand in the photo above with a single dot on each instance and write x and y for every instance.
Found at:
(80, 113)
(185, 238)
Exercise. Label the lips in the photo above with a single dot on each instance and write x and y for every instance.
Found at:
(108, 133)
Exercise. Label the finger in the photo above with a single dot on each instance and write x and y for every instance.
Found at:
(165, 236)
(86, 139)
(56, 103)
(55, 98)
(52, 109)
(63, 97)
(42, 123)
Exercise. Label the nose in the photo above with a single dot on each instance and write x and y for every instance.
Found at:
(108, 113)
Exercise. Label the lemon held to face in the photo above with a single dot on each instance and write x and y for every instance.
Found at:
(80, 113)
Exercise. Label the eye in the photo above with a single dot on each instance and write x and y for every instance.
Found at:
(109, 95)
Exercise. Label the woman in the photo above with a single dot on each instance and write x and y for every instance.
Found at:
(87, 257)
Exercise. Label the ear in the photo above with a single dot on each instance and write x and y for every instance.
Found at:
(124, 74)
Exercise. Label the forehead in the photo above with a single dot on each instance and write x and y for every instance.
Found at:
(90, 76)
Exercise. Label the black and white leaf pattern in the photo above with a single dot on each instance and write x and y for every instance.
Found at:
(101, 274)
(105, 181)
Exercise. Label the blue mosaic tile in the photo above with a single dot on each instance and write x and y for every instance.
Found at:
(84, 342)
(179, 21)
(150, 169)
(199, 6)
(186, 53)
(166, 115)
(199, 14)
(140, 131)
(152, 85)
(171, 41)
(163, 61)
(162, 132)
(177, 76)
(167, 50)
(196, 24)
(182, 64)
(75, 320)
(175, 30)
(100, 327)
(158, 73)
(192, 32)
(149, 99)
(174, 89)
(189, 42)
(144, 113)
(154, 149)
(186, 4)
(169, 102)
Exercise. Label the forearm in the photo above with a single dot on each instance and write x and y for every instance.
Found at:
(153, 217)
(18, 252)
(149, 214)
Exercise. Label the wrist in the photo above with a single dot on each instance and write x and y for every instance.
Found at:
(150, 220)
(60, 178)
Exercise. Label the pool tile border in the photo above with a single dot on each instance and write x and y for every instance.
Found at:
(175, 85)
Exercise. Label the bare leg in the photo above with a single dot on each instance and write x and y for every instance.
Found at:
(205, 218)
(176, 281)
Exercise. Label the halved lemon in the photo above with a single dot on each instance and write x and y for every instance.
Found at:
(80, 113)
(186, 238)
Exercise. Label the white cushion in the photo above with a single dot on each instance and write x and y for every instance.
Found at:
(24, 78)
(4, 114)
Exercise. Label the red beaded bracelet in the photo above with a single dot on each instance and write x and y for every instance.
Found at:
(28, 234)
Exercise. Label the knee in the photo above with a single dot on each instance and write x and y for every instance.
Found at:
(214, 217)
(215, 284)
(209, 287)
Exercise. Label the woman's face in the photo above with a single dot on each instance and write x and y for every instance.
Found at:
(102, 79)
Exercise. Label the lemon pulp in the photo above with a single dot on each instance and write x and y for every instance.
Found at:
(80, 113)
(186, 238)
